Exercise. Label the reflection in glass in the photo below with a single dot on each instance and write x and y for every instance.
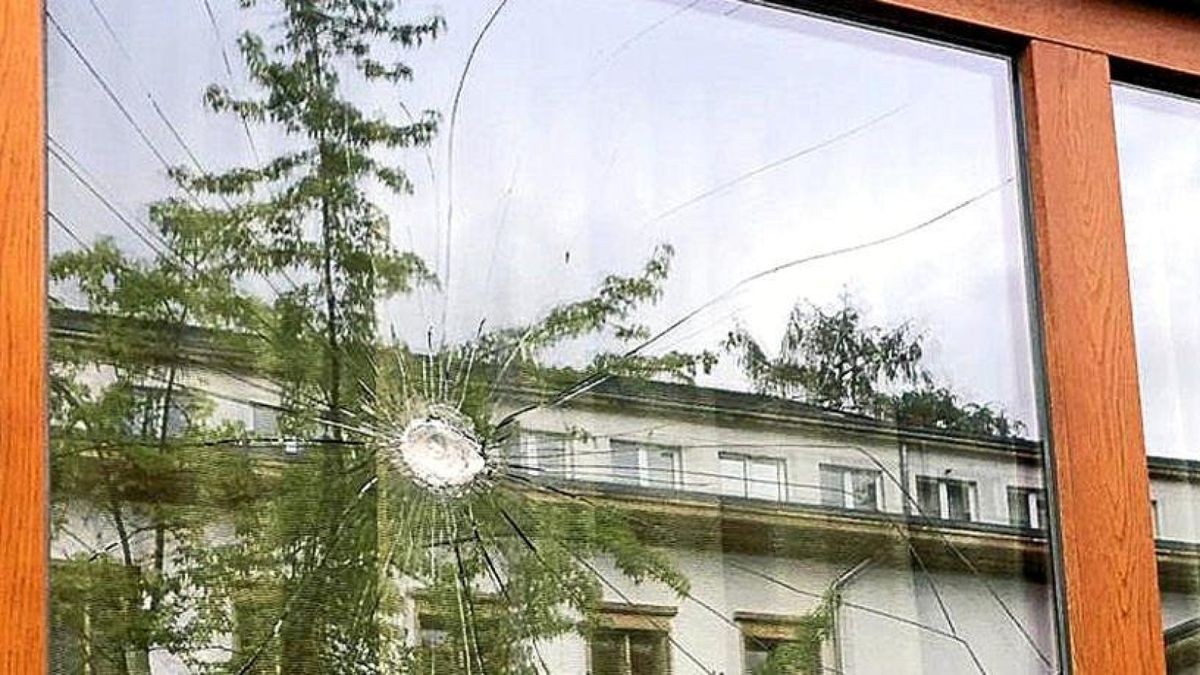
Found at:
(1158, 138)
(1027, 507)
(536, 337)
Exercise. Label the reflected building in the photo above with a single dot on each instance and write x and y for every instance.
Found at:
(890, 549)
(647, 526)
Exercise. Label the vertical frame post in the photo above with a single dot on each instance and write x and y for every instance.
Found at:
(24, 632)
(1104, 531)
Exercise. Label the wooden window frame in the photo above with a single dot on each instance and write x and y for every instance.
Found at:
(24, 485)
(1101, 529)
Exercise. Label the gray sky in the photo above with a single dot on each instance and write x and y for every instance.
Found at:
(1159, 142)
(587, 125)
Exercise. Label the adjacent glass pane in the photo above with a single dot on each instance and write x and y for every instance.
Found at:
(644, 336)
(1158, 139)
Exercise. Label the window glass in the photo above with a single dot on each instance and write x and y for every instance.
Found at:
(662, 466)
(626, 462)
(648, 653)
(1158, 142)
(929, 497)
(610, 655)
(265, 421)
(544, 453)
(758, 653)
(430, 336)
(833, 481)
(630, 652)
(852, 488)
(733, 475)
(946, 498)
(865, 489)
(754, 477)
(1027, 507)
(764, 478)
(959, 498)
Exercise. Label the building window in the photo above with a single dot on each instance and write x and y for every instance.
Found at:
(758, 652)
(647, 465)
(779, 644)
(630, 652)
(441, 645)
(90, 626)
(435, 647)
(754, 477)
(147, 416)
(632, 640)
(947, 498)
(546, 453)
(1027, 507)
(265, 420)
(1155, 518)
(438, 648)
(851, 488)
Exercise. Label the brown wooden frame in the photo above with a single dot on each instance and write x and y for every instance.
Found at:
(1105, 532)
(24, 556)
(1103, 540)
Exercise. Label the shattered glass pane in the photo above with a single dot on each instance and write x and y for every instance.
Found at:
(1158, 149)
(523, 336)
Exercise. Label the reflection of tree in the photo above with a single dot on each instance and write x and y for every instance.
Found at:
(830, 358)
(307, 213)
(309, 560)
(120, 413)
(306, 217)
(299, 558)
(501, 568)
(802, 654)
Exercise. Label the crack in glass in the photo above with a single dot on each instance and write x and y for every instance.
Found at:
(518, 337)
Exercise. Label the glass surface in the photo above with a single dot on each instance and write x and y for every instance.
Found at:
(1158, 139)
(764, 478)
(529, 336)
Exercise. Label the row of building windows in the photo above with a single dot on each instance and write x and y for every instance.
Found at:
(741, 475)
(762, 477)
(628, 650)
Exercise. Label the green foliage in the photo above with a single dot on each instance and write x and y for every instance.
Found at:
(830, 358)
(307, 559)
(533, 565)
(133, 447)
(610, 314)
(93, 599)
(508, 564)
(301, 532)
(802, 654)
(306, 216)
(940, 408)
(306, 219)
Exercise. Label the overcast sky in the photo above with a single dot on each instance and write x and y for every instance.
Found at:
(1159, 142)
(588, 129)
